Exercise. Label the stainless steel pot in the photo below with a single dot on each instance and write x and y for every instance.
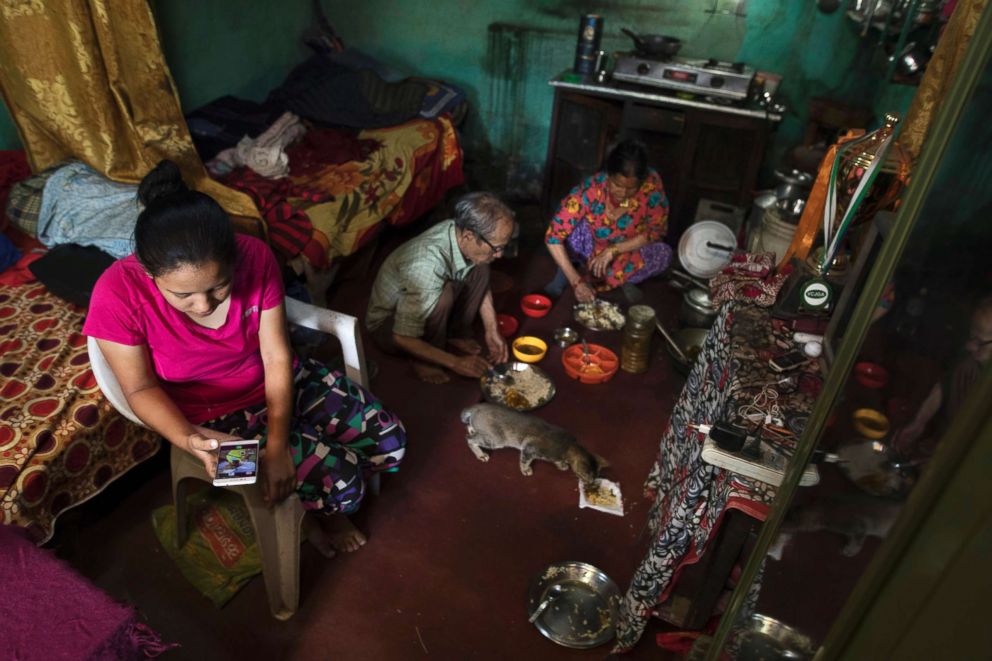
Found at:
(697, 309)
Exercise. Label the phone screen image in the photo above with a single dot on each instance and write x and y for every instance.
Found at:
(237, 462)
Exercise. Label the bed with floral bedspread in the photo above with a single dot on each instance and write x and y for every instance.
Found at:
(61, 442)
(344, 187)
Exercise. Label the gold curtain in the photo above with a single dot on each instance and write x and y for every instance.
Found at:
(940, 74)
(86, 79)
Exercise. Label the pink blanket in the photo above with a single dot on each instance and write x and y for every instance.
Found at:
(49, 612)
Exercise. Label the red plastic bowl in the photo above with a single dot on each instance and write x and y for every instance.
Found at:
(535, 305)
(871, 375)
(507, 324)
(598, 367)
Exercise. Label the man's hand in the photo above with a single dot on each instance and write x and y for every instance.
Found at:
(498, 352)
(600, 263)
(470, 366)
(278, 475)
(584, 293)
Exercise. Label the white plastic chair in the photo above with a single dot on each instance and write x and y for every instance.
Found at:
(277, 530)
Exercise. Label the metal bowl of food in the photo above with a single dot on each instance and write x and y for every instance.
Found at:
(566, 336)
(574, 604)
(599, 315)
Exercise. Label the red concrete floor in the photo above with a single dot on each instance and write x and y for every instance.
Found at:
(453, 542)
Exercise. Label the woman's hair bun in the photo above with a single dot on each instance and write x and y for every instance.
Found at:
(164, 180)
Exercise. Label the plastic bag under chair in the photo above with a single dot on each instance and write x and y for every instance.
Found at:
(221, 555)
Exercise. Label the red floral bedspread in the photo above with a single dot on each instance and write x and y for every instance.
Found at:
(343, 188)
(61, 442)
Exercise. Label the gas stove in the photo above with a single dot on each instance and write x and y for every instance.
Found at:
(727, 80)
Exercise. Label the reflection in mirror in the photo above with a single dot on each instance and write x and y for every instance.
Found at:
(915, 370)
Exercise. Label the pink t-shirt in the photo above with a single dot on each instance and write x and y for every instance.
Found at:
(207, 372)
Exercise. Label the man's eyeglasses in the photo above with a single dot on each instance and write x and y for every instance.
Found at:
(496, 249)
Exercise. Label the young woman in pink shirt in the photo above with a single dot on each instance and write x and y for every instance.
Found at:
(193, 326)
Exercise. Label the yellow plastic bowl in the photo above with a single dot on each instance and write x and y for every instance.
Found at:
(870, 423)
(529, 349)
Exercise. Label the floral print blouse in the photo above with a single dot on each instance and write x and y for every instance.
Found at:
(647, 214)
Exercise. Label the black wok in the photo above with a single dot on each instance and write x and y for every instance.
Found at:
(654, 44)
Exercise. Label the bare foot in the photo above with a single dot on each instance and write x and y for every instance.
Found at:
(466, 345)
(342, 533)
(429, 373)
(316, 536)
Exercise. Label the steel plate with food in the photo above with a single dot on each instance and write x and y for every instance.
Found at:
(599, 315)
(574, 604)
(518, 386)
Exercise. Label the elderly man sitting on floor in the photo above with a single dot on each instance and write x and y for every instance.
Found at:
(430, 290)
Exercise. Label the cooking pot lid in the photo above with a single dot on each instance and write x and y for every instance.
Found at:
(700, 297)
(697, 257)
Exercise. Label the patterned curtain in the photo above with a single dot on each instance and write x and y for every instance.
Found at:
(940, 74)
(86, 79)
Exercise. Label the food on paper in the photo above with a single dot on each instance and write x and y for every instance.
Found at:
(602, 495)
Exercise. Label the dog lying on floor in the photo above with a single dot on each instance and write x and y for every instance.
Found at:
(492, 427)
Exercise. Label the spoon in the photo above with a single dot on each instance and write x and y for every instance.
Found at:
(553, 593)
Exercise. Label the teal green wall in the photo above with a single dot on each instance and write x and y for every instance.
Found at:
(503, 52)
(8, 133)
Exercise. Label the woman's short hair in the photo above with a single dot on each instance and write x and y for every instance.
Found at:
(629, 159)
(179, 226)
(481, 213)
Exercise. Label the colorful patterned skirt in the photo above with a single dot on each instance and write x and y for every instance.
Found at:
(340, 433)
(633, 267)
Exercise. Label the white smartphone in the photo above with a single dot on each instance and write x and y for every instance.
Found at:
(237, 463)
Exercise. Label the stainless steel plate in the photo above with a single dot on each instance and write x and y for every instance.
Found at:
(582, 312)
(582, 611)
(767, 638)
(494, 384)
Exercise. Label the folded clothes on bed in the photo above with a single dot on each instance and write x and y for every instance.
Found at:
(265, 154)
(325, 91)
(224, 121)
(79, 205)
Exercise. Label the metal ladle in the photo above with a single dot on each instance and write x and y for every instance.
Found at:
(668, 338)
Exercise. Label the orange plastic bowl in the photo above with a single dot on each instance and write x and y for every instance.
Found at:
(507, 324)
(535, 305)
(871, 375)
(598, 367)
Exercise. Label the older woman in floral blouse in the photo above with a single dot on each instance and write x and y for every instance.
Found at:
(612, 224)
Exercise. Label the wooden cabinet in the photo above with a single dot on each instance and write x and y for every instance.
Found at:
(700, 150)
